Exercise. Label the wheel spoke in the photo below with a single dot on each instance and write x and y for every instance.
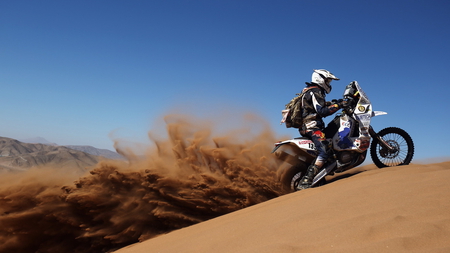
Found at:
(393, 158)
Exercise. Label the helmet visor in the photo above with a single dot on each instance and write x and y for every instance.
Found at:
(328, 84)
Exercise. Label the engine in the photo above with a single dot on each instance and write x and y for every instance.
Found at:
(344, 157)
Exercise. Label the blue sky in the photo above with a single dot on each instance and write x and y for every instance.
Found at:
(76, 72)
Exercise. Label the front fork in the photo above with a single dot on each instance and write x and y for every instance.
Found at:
(382, 142)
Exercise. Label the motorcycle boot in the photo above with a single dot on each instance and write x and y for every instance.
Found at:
(306, 181)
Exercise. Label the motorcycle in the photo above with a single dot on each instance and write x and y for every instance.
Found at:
(349, 135)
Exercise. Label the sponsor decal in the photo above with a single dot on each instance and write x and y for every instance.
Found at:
(343, 133)
(346, 124)
(364, 145)
(309, 143)
(319, 134)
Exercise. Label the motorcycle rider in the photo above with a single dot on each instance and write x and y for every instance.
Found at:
(313, 109)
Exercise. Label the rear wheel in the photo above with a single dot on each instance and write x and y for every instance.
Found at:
(290, 176)
(402, 150)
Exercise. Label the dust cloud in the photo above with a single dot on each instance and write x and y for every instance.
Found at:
(190, 176)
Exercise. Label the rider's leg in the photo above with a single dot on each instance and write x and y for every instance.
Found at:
(318, 137)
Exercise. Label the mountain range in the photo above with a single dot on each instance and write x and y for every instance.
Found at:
(84, 148)
(16, 155)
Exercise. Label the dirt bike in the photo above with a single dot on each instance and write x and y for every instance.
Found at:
(349, 135)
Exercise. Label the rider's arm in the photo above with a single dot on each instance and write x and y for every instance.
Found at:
(320, 106)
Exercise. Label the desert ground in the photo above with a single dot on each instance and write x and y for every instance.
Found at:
(198, 191)
(398, 209)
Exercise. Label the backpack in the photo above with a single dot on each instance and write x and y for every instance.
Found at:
(292, 114)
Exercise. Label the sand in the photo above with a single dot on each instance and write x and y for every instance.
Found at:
(398, 209)
(203, 190)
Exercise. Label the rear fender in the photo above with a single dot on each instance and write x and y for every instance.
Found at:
(295, 151)
(301, 142)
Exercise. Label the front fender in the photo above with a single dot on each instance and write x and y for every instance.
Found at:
(378, 113)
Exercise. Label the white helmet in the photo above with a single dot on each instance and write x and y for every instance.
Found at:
(323, 77)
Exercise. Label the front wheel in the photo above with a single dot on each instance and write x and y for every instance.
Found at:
(400, 153)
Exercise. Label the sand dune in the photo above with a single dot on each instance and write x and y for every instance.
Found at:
(399, 209)
(201, 191)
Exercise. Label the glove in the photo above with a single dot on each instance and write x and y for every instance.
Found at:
(344, 103)
(336, 101)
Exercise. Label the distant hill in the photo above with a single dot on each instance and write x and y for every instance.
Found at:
(16, 155)
(87, 149)
(96, 151)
